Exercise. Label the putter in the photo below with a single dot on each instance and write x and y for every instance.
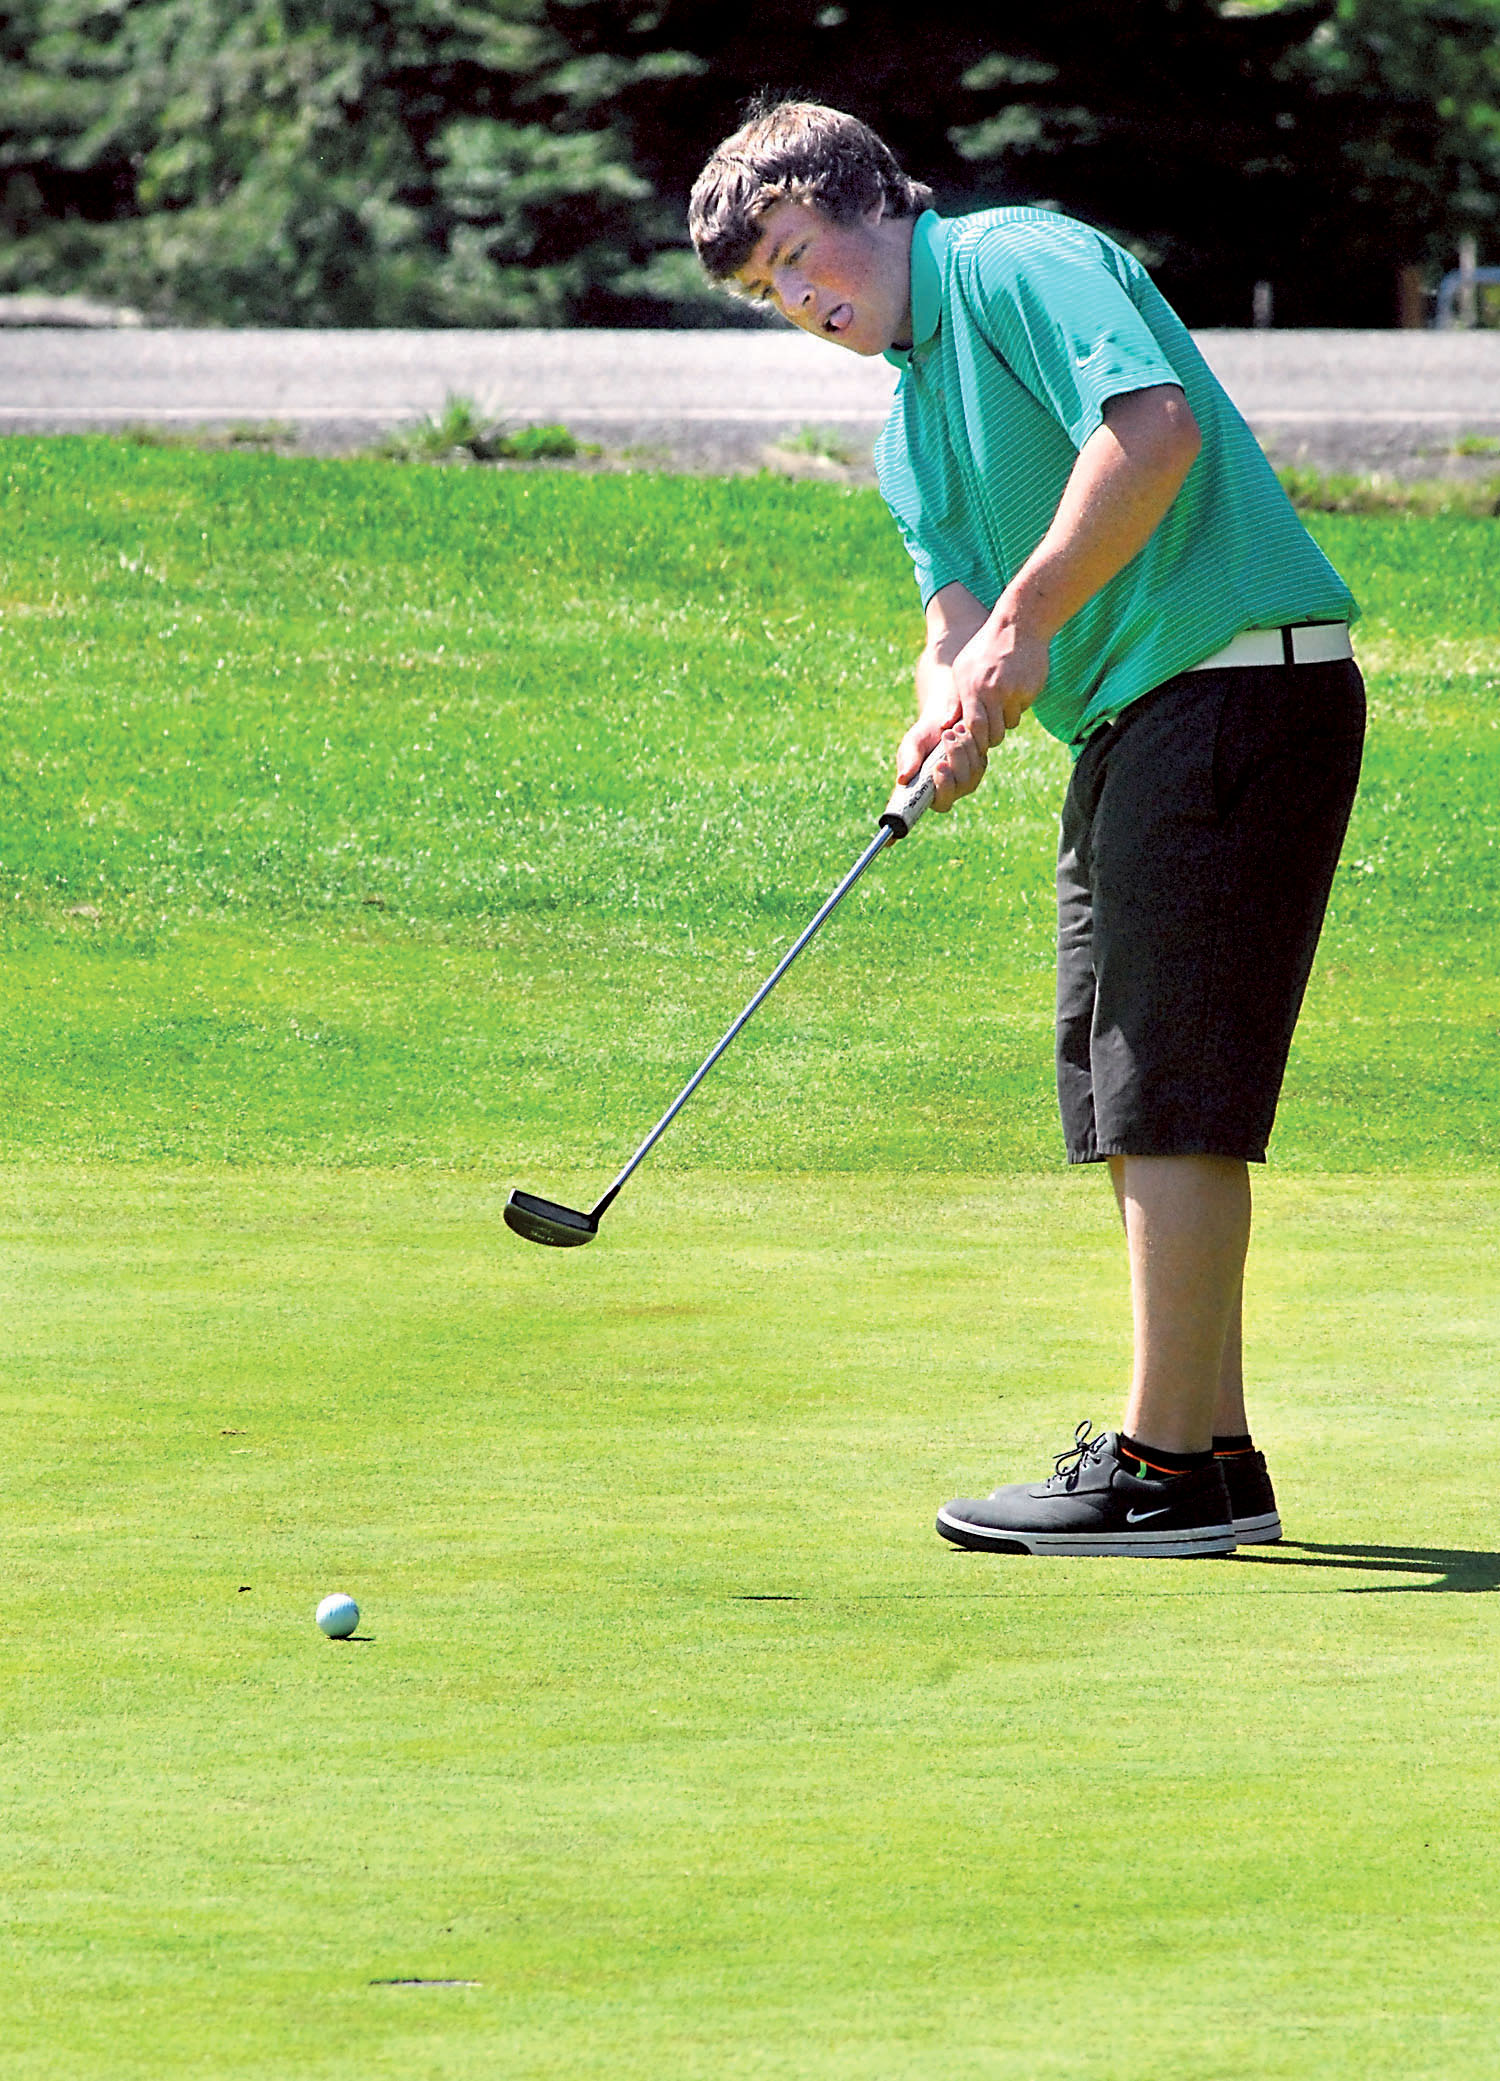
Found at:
(543, 1220)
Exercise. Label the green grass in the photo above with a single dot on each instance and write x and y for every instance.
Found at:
(462, 433)
(371, 839)
(401, 797)
(819, 444)
(1313, 491)
(675, 1726)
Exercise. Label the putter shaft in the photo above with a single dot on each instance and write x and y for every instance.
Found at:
(546, 1221)
(884, 837)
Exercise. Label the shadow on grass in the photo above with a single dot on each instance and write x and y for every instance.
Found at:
(1457, 1569)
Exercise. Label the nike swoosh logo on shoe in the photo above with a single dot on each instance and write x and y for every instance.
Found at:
(1139, 1517)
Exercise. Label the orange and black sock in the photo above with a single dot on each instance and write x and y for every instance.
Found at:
(1235, 1446)
(1151, 1459)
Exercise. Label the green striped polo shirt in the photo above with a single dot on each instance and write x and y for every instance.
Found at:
(1024, 325)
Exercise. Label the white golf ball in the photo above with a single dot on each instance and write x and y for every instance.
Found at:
(338, 1616)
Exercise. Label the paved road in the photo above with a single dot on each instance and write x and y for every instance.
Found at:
(1388, 400)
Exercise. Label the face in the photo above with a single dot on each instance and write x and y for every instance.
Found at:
(849, 283)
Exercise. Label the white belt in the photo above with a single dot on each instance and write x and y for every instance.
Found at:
(1317, 643)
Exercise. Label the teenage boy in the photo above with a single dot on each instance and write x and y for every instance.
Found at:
(1096, 535)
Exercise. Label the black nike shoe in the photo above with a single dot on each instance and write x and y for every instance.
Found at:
(1093, 1504)
(1252, 1500)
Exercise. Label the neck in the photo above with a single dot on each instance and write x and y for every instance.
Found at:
(899, 231)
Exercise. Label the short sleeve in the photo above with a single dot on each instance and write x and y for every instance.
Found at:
(924, 490)
(938, 561)
(1051, 305)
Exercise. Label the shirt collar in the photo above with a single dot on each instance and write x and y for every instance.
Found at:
(929, 245)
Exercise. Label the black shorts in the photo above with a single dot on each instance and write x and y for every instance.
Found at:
(1199, 839)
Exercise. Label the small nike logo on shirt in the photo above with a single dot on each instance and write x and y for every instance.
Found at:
(1139, 1517)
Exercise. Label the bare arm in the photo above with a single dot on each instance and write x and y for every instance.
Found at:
(954, 619)
(979, 672)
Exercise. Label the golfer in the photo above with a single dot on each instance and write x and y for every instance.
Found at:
(1097, 536)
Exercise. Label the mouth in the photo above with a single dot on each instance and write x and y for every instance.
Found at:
(839, 320)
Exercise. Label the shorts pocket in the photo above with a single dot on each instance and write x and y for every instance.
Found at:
(1300, 723)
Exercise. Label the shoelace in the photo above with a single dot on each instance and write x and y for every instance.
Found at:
(1070, 1464)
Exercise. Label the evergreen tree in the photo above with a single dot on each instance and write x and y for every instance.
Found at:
(502, 162)
(332, 162)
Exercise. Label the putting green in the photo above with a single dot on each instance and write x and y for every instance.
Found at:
(673, 1726)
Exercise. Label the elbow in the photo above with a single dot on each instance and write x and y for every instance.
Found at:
(1157, 429)
(1191, 440)
(1184, 435)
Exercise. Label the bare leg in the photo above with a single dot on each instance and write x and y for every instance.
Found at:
(1187, 1226)
(1230, 1418)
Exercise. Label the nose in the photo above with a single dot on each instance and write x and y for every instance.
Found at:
(794, 291)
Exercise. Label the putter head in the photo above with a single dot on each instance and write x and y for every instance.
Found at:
(544, 1221)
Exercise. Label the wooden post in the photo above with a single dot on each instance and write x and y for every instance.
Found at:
(1468, 288)
(1411, 299)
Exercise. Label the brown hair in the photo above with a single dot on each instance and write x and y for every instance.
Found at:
(793, 151)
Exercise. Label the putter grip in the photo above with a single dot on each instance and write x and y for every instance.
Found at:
(911, 798)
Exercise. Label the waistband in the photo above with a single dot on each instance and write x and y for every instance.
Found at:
(1308, 643)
